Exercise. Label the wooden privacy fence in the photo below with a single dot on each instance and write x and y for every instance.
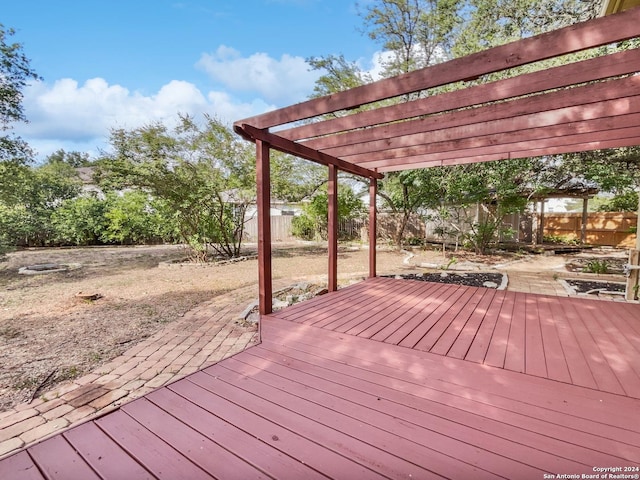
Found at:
(351, 228)
(280, 229)
(603, 228)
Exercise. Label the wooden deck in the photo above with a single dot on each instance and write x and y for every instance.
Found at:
(385, 379)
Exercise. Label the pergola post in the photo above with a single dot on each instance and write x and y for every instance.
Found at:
(373, 192)
(541, 223)
(332, 228)
(583, 227)
(631, 291)
(263, 201)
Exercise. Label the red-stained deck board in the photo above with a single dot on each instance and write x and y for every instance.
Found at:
(556, 360)
(394, 312)
(412, 319)
(234, 406)
(59, 461)
(625, 322)
(482, 340)
(457, 325)
(347, 318)
(497, 350)
(465, 339)
(602, 373)
(327, 306)
(149, 450)
(272, 461)
(399, 324)
(585, 342)
(20, 467)
(514, 355)
(337, 407)
(395, 455)
(434, 327)
(470, 420)
(576, 362)
(202, 451)
(614, 357)
(102, 454)
(582, 412)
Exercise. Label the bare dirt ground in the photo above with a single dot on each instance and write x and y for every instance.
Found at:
(48, 334)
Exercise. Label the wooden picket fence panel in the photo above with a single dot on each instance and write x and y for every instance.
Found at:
(603, 228)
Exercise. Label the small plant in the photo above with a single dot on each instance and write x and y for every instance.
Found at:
(452, 261)
(560, 239)
(597, 266)
(67, 373)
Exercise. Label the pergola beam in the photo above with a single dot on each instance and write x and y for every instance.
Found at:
(302, 151)
(581, 146)
(598, 100)
(575, 38)
(526, 139)
(607, 66)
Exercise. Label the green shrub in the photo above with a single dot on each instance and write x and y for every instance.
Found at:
(597, 266)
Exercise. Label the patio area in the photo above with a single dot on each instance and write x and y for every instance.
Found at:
(393, 378)
(357, 384)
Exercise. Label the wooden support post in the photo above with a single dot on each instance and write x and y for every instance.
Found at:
(631, 292)
(332, 228)
(263, 200)
(541, 223)
(373, 192)
(585, 217)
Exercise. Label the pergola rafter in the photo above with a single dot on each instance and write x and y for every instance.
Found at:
(586, 105)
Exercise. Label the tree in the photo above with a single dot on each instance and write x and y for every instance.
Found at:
(312, 224)
(26, 210)
(204, 175)
(15, 72)
(73, 159)
(419, 33)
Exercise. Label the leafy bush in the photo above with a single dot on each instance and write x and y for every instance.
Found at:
(136, 218)
(597, 266)
(625, 202)
(312, 224)
(79, 221)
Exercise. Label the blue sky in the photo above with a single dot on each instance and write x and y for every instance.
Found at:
(125, 63)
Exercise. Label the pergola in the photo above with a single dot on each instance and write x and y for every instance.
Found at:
(399, 123)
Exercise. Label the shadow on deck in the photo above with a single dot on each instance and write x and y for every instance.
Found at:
(385, 379)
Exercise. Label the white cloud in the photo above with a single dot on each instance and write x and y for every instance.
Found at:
(78, 117)
(284, 81)
(74, 116)
(375, 66)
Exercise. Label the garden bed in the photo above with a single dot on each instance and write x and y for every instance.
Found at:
(593, 287)
(481, 279)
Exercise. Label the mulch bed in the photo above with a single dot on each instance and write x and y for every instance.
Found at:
(488, 280)
(595, 286)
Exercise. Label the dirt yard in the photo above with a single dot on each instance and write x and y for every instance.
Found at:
(48, 334)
